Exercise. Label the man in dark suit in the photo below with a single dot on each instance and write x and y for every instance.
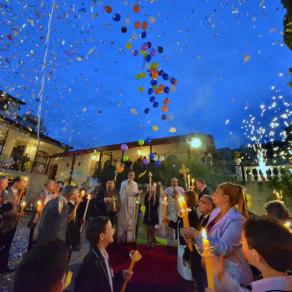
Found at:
(95, 273)
(54, 218)
(202, 187)
(12, 198)
(107, 202)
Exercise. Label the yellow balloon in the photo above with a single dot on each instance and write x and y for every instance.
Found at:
(128, 45)
(172, 130)
(155, 128)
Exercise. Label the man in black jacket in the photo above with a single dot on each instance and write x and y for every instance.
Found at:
(95, 273)
(202, 187)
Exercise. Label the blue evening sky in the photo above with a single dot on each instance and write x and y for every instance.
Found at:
(226, 56)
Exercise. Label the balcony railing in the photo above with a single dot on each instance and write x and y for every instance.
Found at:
(257, 174)
(22, 164)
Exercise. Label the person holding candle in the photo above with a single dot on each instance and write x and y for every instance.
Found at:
(224, 230)
(188, 205)
(54, 219)
(205, 207)
(95, 273)
(107, 202)
(151, 203)
(73, 231)
(44, 196)
(267, 245)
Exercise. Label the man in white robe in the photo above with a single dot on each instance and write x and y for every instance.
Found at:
(128, 214)
(172, 203)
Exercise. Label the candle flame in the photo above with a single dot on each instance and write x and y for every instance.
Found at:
(204, 233)
(181, 199)
(88, 197)
(39, 203)
(23, 204)
(287, 225)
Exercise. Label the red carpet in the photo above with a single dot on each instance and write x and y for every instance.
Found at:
(156, 271)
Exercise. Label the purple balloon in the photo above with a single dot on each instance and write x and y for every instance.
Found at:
(135, 53)
(146, 161)
(153, 52)
(157, 163)
(124, 147)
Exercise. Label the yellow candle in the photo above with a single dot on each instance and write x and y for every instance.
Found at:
(208, 259)
(189, 181)
(185, 217)
(22, 206)
(164, 213)
(193, 182)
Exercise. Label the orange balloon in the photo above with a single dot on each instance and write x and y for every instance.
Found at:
(157, 91)
(161, 87)
(166, 101)
(165, 108)
(136, 8)
(154, 74)
(137, 24)
(108, 9)
(120, 169)
(144, 25)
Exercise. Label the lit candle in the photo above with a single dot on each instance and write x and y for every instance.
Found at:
(86, 208)
(189, 181)
(135, 257)
(208, 259)
(193, 183)
(164, 210)
(22, 206)
(185, 217)
(287, 225)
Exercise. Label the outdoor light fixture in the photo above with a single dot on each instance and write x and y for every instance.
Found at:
(195, 142)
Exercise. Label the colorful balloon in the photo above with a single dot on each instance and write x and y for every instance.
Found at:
(173, 80)
(141, 142)
(144, 25)
(151, 156)
(166, 89)
(124, 29)
(143, 34)
(117, 17)
(146, 110)
(136, 8)
(135, 53)
(164, 108)
(172, 130)
(166, 101)
(152, 99)
(146, 161)
(128, 45)
(157, 163)
(126, 158)
(164, 117)
(124, 147)
(161, 158)
(160, 50)
(165, 76)
(137, 24)
(141, 89)
(155, 158)
(154, 128)
(155, 104)
(108, 9)
(153, 52)
(154, 82)
(148, 140)
(148, 58)
(150, 91)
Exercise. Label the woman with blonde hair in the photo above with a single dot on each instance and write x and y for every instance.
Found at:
(224, 230)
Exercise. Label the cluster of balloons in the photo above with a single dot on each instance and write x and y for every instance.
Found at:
(161, 83)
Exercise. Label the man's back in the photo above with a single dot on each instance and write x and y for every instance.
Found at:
(54, 221)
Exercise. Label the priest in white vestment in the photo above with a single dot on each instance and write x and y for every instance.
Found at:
(128, 214)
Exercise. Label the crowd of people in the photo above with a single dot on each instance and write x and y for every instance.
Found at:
(250, 252)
